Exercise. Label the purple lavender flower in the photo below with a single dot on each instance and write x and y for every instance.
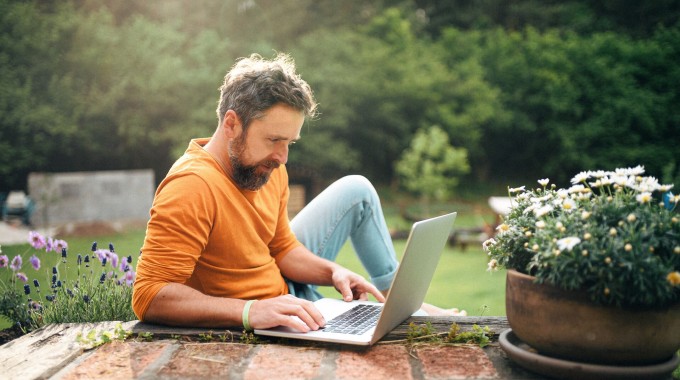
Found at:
(86, 298)
(63, 253)
(36, 283)
(102, 254)
(130, 277)
(111, 247)
(94, 246)
(102, 278)
(114, 259)
(36, 240)
(16, 263)
(4, 261)
(22, 277)
(49, 297)
(35, 262)
(48, 244)
(59, 245)
(35, 306)
(27, 289)
(79, 261)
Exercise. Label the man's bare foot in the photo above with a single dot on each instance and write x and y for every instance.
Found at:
(439, 312)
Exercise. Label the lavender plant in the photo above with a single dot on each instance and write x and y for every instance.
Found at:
(614, 234)
(81, 288)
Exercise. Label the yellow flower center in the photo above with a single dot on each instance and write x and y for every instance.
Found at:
(674, 278)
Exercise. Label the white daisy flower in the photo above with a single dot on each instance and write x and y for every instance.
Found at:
(580, 177)
(644, 197)
(539, 212)
(567, 243)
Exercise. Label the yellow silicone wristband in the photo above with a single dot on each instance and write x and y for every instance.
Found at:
(246, 311)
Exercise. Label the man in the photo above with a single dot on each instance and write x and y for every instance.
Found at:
(219, 236)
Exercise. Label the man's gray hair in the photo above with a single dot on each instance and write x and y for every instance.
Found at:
(254, 84)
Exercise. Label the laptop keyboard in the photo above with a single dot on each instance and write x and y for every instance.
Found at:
(355, 321)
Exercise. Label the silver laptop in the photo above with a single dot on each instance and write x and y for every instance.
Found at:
(409, 286)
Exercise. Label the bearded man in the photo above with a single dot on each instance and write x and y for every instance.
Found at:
(219, 237)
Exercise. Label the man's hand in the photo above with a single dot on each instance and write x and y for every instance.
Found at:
(354, 287)
(287, 310)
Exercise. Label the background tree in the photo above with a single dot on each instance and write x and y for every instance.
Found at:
(528, 88)
(431, 167)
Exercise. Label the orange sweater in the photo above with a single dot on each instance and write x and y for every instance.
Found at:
(207, 233)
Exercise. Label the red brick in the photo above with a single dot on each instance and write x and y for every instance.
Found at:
(206, 360)
(455, 362)
(118, 360)
(284, 362)
(379, 362)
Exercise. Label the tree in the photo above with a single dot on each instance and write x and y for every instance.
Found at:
(431, 167)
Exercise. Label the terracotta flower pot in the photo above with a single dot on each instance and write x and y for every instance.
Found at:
(568, 325)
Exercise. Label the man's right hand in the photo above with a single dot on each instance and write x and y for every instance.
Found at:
(286, 310)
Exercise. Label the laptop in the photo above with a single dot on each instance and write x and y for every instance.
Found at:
(424, 246)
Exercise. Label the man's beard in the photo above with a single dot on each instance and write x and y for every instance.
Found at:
(246, 176)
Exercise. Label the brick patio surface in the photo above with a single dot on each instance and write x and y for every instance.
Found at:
(174, 360)
(55, 352)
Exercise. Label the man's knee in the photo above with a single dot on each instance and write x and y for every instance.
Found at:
(359, 184)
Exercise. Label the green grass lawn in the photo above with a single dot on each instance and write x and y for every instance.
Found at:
(461, 280)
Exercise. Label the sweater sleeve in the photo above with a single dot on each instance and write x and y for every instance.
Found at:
(178, 230)
(284, 240)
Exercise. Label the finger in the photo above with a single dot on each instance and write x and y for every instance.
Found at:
(306, 312)
(293, 322)
(375, 292)
(310, 315)
(345, 291)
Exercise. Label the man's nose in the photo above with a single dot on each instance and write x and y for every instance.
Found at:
(281, 154)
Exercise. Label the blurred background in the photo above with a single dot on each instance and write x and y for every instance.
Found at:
(441, 103)
(528, 88)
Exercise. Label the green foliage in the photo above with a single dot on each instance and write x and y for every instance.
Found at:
(607, 235)
(418, 332)
(96, 338)
(425, 333)
(14, 309)
(526, 88)
(566, 95)
(478, 335)
(248, 337)
(431, 167)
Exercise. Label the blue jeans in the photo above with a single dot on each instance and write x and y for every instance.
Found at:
(349, 208)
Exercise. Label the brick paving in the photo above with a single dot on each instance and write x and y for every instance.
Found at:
(159, 352)
(173, 359)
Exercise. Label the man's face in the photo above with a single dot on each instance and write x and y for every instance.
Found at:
(255, 154)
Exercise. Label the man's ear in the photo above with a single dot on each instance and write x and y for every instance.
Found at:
(232, 124)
